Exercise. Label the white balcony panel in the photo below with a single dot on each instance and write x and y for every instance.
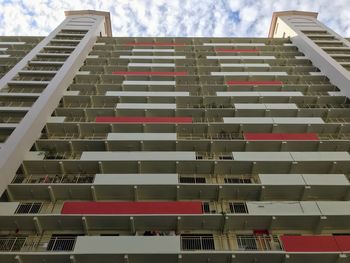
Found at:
(19, 94)
(146, 106)
(152, 57)
(289, 45)
(152, 50)
(149, 82)
(262, 156)
(12, 43)
(14, 108)
(283, 208)
(298, 120)
(136, 179)
(252, 73)
(250, 120)
(281, 106)
(141, 136)
(235, 44)
(92, 56)
(320, 156)
(335, 93)
(259, 94)
(325, 179)
(241, 57)
(138, 156)
(4, 56)
(268, 106)
(8, 208)
(56, 119)
(249, 106)
(71, 93)
(148, 93)
(83, 73)
(281, 120)
(246, 65)
(334, 207)
(160, 65)
(3, 49)
(301, 57)
(316, 73)
(281, 179)
(34, 156)
(127, 245)
(8, 125)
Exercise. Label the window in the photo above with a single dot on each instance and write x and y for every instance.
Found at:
(206, 207)
(28, 208)
(61, 243)
(197, 242)
(238, 208)
(237, 180)
(258, 242)
(246, 242)
(14, 243)
(193, 180)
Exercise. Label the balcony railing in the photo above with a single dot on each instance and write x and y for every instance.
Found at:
(63, 155)
(258, 242)
(54, 179)
(197, 243)
(9, 244)
(45, 243)
(231, 243)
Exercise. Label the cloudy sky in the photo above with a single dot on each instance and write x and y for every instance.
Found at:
(170, 17)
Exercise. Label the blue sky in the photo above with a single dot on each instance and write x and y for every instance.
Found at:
(215, 18)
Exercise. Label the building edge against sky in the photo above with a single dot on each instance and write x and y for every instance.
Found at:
(175, 149)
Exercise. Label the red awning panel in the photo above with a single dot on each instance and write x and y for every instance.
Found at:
(343, 243)
(150, 73)
(238, 82)
(144, 119)
(132, 208)
(155, 44)
(281, 136)
(309, 244)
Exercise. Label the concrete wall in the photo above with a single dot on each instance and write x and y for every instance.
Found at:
(303, 179)
(127, 244)
(138, 156)
(8, 208)
(141, 136)
(136, 179)
(283, 208)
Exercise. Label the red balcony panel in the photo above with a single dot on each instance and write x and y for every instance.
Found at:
(132, 208)
(259, 83)
(343, 243)
(155, 44)
(144, 119)
(151, 73)
(309, 244)
(300, 136)
(237, 50)
(262, 136)
(281, 136)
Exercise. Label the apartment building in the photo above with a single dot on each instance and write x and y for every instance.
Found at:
(188, 150)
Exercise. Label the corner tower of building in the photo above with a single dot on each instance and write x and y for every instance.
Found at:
(327, 50)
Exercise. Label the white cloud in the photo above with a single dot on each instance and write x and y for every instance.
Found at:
(170, 18)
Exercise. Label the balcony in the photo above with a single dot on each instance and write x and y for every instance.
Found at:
(230, 243)
(37, 243)
(53, 179)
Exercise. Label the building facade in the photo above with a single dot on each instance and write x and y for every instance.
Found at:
(232, 150)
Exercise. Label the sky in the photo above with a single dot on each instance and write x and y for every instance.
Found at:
(158, 18)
